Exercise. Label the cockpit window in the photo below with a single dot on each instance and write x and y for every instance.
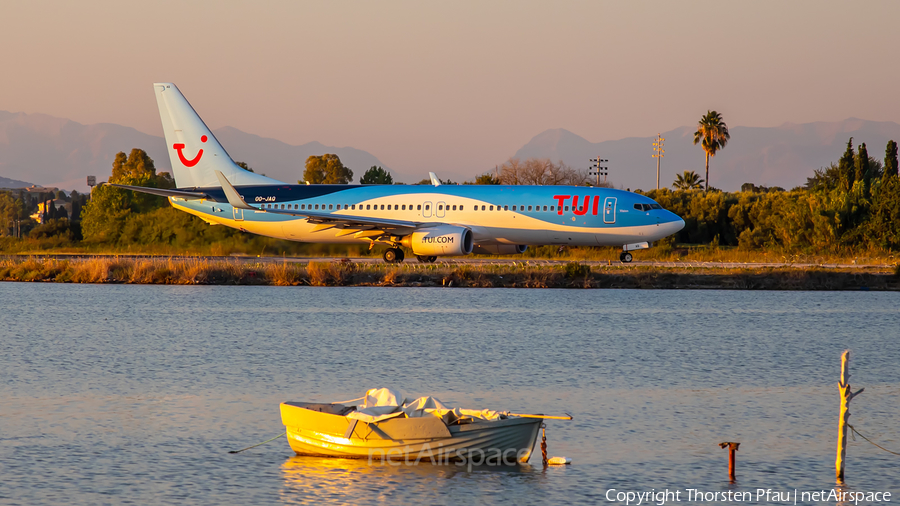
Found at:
(638, 207)
(655, 206)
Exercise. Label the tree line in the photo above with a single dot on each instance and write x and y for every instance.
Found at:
(853, 203)
(850, 205)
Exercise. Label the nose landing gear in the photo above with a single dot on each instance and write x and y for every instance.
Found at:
(625, 256)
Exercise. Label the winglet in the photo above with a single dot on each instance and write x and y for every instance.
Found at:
(231, 194)
(434, 179)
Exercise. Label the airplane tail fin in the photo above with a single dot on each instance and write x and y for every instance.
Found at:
(194, 151)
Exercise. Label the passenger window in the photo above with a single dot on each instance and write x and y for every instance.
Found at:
(330, 206)
(419, 207)
(506, 208)
(353, 207)
(492, 208)
(551, 208)
(454, 208)
(382, 207)
(567, 208)
(427, 207)
(514, 208)
(482, 208)
(440, 207)
(545, 208)
(529, 208)
(460, 208)
(317, 207)
(403, 207)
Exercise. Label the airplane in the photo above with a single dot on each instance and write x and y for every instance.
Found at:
(433, 220)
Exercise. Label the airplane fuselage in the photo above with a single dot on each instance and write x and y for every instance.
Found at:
(496, 214)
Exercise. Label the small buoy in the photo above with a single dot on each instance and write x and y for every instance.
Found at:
(559, 461)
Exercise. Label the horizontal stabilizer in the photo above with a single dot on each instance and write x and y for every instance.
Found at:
(162, 192)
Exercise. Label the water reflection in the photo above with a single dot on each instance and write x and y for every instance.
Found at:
(357, 480)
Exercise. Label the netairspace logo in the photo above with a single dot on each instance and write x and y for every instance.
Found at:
(463, 457)
(760, 495)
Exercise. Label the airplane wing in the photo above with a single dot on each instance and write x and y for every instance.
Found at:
(360, 225)
(161, 192)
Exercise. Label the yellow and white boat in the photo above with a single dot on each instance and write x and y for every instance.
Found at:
(387, 427)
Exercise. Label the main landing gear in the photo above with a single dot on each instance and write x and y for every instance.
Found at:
(426, 259)
(393, 255)
(625, 257)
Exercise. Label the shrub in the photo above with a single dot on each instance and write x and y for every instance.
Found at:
(575, 270)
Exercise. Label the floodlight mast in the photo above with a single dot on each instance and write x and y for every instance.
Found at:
(658, 152)
(598, 169)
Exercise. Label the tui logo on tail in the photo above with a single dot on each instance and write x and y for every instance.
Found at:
(185, 161)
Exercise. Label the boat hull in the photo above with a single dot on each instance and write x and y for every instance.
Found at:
(412, 440)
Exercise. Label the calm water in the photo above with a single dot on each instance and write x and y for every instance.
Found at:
(118, 394)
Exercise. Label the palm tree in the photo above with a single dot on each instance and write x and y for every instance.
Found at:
(689, 181)
(713, 133)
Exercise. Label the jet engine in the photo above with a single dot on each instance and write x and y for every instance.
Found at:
(500, 249)
(443, 240)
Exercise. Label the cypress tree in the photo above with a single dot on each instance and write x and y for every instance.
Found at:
(890, 159)
(846, 168)
(862, 167)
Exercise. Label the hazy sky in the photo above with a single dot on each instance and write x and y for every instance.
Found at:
(454, 87)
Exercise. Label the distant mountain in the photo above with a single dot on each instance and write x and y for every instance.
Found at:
(59, 152)
(777, 156)
(5, 182)
(286, 162)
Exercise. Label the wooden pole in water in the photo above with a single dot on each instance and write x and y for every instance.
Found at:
(846, 397)
(732, 447)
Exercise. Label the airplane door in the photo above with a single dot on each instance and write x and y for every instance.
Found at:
(439, 212)
(238, 213)
(609, 210)
(426, 210)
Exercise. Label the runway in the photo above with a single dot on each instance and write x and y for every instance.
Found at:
(478, 260)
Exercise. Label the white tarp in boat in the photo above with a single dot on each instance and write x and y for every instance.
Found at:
(383, 403)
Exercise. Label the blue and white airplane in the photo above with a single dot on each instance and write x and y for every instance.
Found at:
(431, 220)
